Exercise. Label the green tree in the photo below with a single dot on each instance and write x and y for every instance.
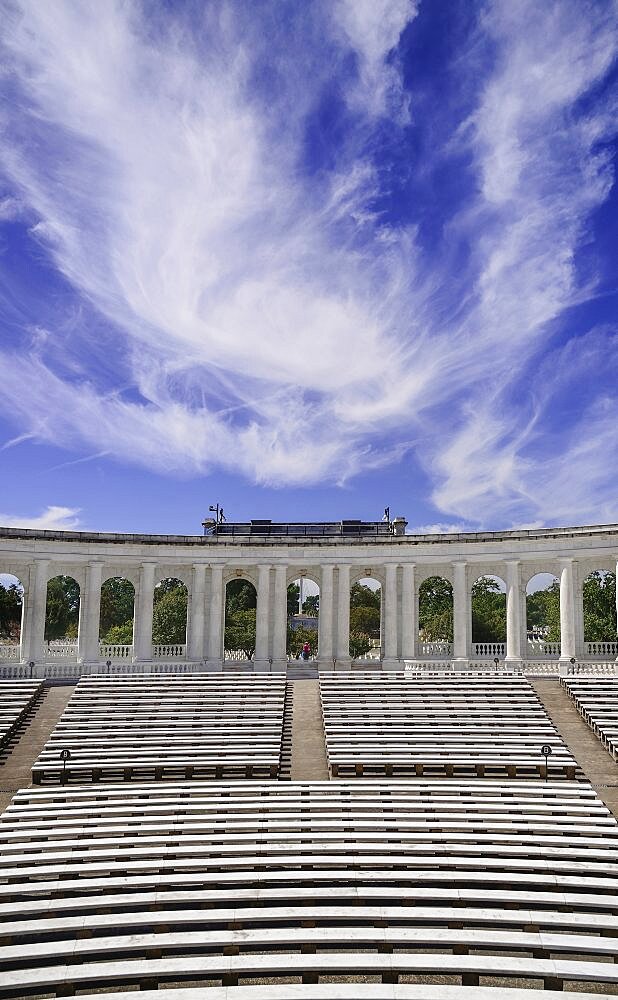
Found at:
(10, 611)
(240, 595)
(117, 600)
(169, 616)
(360, 643)
(311, 606)
(365, 620)
(543, 611)
(119, 635)
(240, 631)
(297, 637)
(362, 596)
(599, 589)
(488, 611)
(435, 609)
(293, 595)
(62, 608)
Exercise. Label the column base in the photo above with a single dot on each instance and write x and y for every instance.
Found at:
(391, 663)
(565, 666)
(513, 663)
(324, 662)
(279, 666)
(343, 663)
(261, 666)
(461, 663)
(212, 666)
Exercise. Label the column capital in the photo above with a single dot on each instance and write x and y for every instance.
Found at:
(512, 562)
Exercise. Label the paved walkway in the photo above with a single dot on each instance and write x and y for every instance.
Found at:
(594, 760)
(17, 760)
(308, 746)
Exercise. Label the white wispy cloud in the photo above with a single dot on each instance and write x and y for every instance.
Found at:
(52, 517)
(268, 321)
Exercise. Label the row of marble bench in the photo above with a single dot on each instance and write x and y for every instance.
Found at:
(596, 699)
(16, 698)
(396, 725)
(220, 886)
(171, 726)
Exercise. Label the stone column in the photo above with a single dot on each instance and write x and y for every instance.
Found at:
(343, 617)
(33, 613)
(616, 602)
(262, 619)
(578, 609)
(142, 618)
(461, 615)
(567, 610)
(90, 614)
(196, 614)
(409, 626)
(325, 620)
(513, 613)
(215, 619)
(390, 659)
(280, 620)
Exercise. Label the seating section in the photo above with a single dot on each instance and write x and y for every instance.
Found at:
(596, 699)
(207, 884)
(399, 725)
(16, 697)
(168, 726)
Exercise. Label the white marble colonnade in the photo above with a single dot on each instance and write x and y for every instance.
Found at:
(400, 570)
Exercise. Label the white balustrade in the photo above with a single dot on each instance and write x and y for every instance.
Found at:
(169, 651)
(9, 651)
(115, 651)
(542, 648)
(489, 649)
(235, 655)
(599, 650)
(440, 649)
(57, 649)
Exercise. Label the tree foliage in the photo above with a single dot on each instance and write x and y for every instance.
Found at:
(240, 631)
(62, 608)
(293, 597)
(599, 606)
(297, 637)
(117, 601)
(488, 611)
(365, 620)
(169, 614)
(435, 610)
(360, 644)
(543, 612)
(119, 635)
(240, 595)
(10, 611)
(362, 596)
(311, 606)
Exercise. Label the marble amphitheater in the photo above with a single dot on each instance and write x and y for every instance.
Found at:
(436, 820)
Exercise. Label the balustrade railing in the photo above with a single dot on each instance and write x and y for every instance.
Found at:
(115, 651)
(235, 655)
(9, 651)
(489, 649)
(599, 650)
(541, 648)
(169, 651)
(439, 649)
(60, 650)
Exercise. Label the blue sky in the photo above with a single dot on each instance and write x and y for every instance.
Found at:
(308, 259)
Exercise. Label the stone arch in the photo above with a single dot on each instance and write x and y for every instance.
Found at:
(62, 610)
(240, 604)
(117, 616)
(599, 605)
(169, 611)
(542, 613)
(303, 589)
(366, 615)
(435, 615)
(488, 609)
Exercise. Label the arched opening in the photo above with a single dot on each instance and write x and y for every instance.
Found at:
(488, 604)
(62, 616)
(366, 619)
(240, 612)
(117, 611)
(11, 609)
(169, 618)
(543, 615)
(599, 600)
(435, 617)
(303, 619)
